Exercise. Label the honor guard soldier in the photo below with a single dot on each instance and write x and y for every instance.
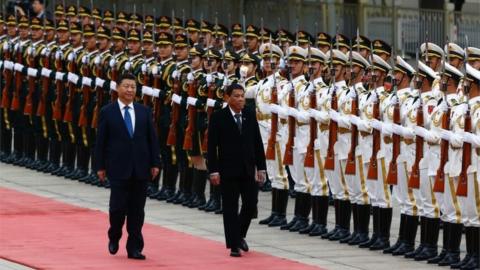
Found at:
(35, 138)
(237, 39)
(180, 76)
(249, 64)
(468, 199)
(23, 143)
(296, 135)
(253, 39)
(473, 57)
(193, 31)
(7, 52)
(196, 128)
(355, 178)
(418, 111)
(166, 66)
(267, 95)
(73, 101)
(337, 150)
(369, 142)
(47, 98)
(323, 42)
(214, 85)
(304, 39)
(61, 147)
(99, 64)
(122, 21)
(455, 168)
(59, 13)
(315, 154)
(382, 49)
(456, 55)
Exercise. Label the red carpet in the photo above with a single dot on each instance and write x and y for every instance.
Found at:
(47, 234)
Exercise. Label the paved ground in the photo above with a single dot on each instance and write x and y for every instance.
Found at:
(314, 251)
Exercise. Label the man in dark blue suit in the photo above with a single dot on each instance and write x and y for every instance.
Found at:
(127, 153)
(236, 162)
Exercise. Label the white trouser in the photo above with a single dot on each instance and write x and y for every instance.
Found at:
(430, 200)
(451, 207)
(356, 185)
(470, 205)
(383, 196)
(371, 185)
(337, 180)
(276, 169)
(297, 171)
(405, 196)
(317, 176)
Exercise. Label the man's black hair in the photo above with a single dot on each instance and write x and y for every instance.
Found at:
(233, 86)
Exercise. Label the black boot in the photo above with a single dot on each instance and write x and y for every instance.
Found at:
(431, 239)
(375, 226)
(314, 206)
(304, 212)
(385, 221)
(199, 184)
(469, 238)
(282, 202)
(267, 186)
(453, 251)
(446, 240)
(401, 235)
(215, 204)
(336, 205)
(322, 213)
(179, 193)
(474, 249)
(423, 239)
(408, 245)
(363, 215)
(354, 215)
(296, 215)
(345, 213)
(187, 187)
(274, 209)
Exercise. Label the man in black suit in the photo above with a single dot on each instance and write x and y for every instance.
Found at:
(236, 162)
(127, 153)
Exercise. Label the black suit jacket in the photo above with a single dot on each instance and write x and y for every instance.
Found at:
(230, 152)
(120, 155)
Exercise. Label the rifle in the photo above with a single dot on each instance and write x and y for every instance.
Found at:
(310, 154)
(86, 89)
(462, 187)
(172, 133)
(333, 127)
(59, 85)
(288, 155)
(439, 184)
(272, 140)
(350, 167)
(113, 71)
(372, 173)
(5, 104)
(45, 81)
(147, 101)
(15, 106)
(414, 179)
(211, 95)
(28, 108)
(192, 111)
(392, 176)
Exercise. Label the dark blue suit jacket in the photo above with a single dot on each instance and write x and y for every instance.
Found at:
(120, 155)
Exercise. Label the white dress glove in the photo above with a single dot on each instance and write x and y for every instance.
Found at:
(59, 76)
(192, 101)
(32, 72)
(176, 98)
(46, 72)
(99, 82)
(211, 102)
(72, 77)
(86, 81)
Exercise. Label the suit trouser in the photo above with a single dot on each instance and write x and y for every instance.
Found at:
(127, 200)
(470, 205)
(356, 183)
(431, 201)
(235, 224)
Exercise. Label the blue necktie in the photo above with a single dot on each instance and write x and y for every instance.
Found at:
(239, 121)
(128, 121)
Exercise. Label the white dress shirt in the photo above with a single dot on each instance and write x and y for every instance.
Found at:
(131, 111)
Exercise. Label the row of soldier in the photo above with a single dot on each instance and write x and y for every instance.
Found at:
(335, 117)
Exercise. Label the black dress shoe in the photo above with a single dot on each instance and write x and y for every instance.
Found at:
(318, 230)
(289, 224)
(381, 243)
(112, 247)
(438, 258)
(219, 211)
(235, 252)
(341, 234)
(279, 220)
(307, 229)
(243, 245)
(268, 219)
(136, 256)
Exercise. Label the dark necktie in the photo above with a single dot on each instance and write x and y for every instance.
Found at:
(238, 119)
(128, 121)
